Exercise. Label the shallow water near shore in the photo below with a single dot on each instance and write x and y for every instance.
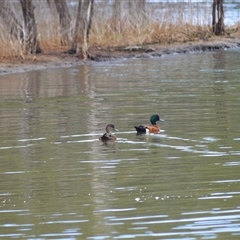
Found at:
(59, 182)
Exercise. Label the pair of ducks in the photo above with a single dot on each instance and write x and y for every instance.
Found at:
(154, 128)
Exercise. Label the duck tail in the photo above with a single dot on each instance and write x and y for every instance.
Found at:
(140, 129)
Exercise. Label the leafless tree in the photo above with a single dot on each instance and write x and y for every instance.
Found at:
(9, 19)
(82, 28)
(218, 17)
(64, 19)
(117, 15)
(137, 6)
(130, 10)
(31, 44)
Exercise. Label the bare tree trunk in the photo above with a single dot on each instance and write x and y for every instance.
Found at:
(82, 28)
(137, 6)
(117, 15)
(9, 19)
(77, 24)
(137, 11)
(64, 19)
(31, 44)
(218, 12)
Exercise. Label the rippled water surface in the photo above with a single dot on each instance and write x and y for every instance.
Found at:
(59, 182)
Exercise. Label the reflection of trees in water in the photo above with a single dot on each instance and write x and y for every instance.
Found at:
(65, 103)
(220, 98)
(42, 93)
(98, 186)
(220, 95)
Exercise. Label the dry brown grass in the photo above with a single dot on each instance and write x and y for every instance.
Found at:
(121, 27)
(106, 35)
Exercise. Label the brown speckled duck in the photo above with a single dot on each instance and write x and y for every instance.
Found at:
(108, 136)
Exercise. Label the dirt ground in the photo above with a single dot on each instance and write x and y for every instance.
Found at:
(56, 60)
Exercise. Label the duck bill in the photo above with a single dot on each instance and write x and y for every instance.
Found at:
(161, 120)
(116, 130)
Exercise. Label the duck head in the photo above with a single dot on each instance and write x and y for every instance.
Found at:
(154, 118)
(110, 128)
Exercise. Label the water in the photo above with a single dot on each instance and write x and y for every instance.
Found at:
(59, 182)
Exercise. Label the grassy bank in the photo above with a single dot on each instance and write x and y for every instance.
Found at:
(122, 23)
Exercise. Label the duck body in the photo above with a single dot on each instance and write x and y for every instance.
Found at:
(147, 129)
(108, 136)
(154, 128)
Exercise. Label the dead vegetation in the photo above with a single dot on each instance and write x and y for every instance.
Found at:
(120, 24)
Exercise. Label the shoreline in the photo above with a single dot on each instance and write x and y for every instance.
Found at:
(59, 60)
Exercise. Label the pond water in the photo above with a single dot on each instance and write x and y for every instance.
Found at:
(59, 182)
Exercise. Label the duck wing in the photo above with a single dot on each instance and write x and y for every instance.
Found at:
(141, 129)
(107, 137)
